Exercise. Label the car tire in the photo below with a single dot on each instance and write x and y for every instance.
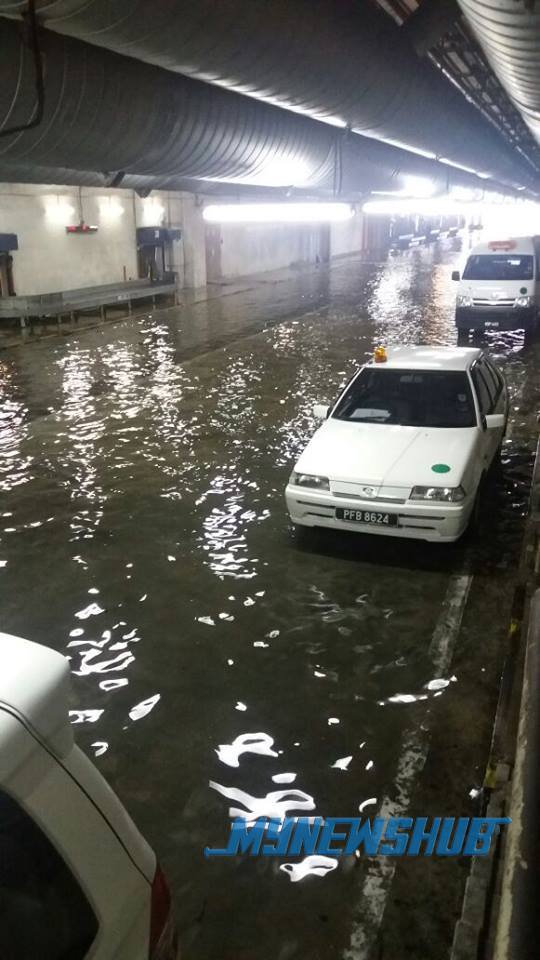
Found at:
(532, 332)
(476, 519)
(462, 336)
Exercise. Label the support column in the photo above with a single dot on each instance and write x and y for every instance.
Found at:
(194, 242)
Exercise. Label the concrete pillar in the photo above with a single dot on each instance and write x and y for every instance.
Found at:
(194, 242)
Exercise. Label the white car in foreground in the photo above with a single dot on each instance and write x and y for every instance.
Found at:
(406, 447)
(77, 880)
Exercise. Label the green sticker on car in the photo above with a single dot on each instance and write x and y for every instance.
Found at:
(440, 468)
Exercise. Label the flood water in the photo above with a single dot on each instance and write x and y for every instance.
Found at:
(144, 535)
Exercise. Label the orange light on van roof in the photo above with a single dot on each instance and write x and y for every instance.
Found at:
(502, 245)
(380, 355)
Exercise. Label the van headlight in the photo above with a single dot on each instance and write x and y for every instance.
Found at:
(524, 301)
(310, 480)
(448, 494)
(464, 301)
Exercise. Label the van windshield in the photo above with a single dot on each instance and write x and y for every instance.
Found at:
(412, 398)
(499, 266)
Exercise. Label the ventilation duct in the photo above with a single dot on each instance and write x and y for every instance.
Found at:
(105, 113)
(509, 33)
(345, 64)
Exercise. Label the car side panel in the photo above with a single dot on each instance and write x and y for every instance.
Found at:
(117, 890)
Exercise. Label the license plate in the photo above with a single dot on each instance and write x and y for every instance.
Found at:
(367, 516)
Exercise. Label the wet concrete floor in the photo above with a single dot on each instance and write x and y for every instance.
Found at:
(142, 468)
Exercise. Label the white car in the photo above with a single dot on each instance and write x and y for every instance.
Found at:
(406, 447)
(77, 880)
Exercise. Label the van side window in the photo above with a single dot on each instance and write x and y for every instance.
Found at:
(482, 392)
(43, 911)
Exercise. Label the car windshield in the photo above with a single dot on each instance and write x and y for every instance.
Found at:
(412, 398)
(500, 266)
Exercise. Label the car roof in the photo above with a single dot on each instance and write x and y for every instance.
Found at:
(35, 687)
(429, 358)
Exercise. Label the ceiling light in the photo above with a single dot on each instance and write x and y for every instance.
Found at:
(277, 212)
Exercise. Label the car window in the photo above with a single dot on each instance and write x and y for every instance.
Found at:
(499, 266)
(492, 380)
(43, 911)
(417, 398)
(482, 392)
(496, 373)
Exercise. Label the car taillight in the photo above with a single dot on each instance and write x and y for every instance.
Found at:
(163, 940)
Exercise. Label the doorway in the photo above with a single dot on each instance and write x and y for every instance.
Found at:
(7, 288)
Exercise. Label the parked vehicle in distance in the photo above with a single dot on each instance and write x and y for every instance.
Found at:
(77, 880)
(406, 448)
(500, 285)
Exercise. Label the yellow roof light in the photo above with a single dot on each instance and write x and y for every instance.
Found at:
(380, 355)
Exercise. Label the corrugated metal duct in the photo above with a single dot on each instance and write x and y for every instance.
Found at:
(509, 33)
(343, 63)
(108, 113)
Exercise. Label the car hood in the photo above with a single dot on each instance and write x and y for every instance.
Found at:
(390, 455)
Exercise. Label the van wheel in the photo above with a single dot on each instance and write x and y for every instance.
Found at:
(462, 336)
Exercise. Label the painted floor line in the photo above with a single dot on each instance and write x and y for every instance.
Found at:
(380, 873)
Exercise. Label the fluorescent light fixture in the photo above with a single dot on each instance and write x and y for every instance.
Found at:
(434, 207)
(520, 213)
(277, 212)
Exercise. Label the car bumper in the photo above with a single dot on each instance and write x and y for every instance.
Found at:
(440, 522)
(507, 318)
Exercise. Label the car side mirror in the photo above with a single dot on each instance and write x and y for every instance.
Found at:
(456, 275)
(321, 411)
(494, 421)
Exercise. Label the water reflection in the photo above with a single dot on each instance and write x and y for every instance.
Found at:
(144, 535)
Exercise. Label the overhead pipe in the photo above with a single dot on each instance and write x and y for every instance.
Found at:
(345, 64)
(37, 114)
(106, 114)
(509, 33)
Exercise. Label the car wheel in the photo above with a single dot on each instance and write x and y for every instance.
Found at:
(476, 520)
(462, 336)
(532, 331)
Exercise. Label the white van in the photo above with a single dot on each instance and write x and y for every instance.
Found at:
(77, 880)
(500, 285)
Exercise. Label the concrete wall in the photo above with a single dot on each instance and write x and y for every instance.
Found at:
(347, 237)
(48, 258)
(255, 248)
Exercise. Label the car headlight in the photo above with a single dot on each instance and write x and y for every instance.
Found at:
(448, 494)
(464, 301)
(523, 301)
(309, 480)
